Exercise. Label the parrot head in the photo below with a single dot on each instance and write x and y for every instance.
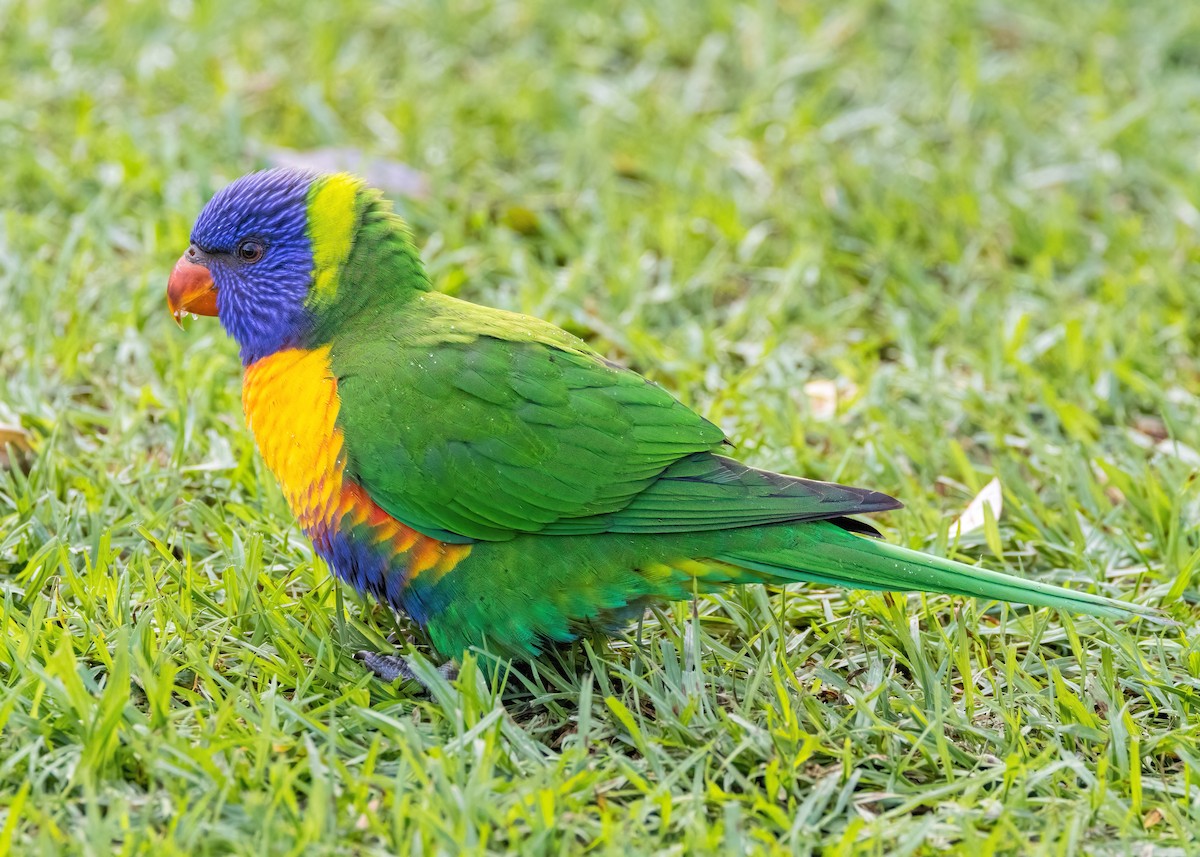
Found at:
(266, 253)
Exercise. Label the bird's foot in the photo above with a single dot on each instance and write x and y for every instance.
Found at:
(390, 667)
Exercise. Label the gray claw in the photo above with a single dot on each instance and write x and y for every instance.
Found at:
(390, 667)
(387, 667)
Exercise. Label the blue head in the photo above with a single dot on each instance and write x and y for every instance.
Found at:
(252, 240)
(267, 252)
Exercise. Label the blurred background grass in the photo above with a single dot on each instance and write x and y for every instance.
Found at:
(911, 244)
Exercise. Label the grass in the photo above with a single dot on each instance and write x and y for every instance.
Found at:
(976, 222)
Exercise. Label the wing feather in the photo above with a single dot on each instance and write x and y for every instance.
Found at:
(471, 424)
(499, 430)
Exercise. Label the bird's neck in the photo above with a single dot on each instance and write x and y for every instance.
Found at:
(382, 272)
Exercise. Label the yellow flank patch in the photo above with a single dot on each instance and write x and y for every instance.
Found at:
(452, 555)
(692, 568)
(433, 559)
(424, 557)
(332, 220)
(291, 403)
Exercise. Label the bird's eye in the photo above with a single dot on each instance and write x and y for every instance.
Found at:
(250, 251)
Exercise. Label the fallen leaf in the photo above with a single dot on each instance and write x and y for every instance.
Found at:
(822, 398)
(1152, 427)
(16, 439)
(992, 497)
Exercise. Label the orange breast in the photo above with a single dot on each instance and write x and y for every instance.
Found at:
(291, 404)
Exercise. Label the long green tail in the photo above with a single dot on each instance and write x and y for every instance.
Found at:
(824, 553)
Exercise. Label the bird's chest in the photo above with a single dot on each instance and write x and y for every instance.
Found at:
(291, 404)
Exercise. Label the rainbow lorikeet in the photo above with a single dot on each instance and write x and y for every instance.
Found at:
(487, 473)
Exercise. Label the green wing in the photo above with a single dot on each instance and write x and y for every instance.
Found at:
(469, 423)
(476, 423)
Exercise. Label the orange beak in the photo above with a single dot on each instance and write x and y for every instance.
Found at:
(191, 288)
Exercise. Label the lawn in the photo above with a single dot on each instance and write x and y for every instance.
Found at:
(915, 245)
